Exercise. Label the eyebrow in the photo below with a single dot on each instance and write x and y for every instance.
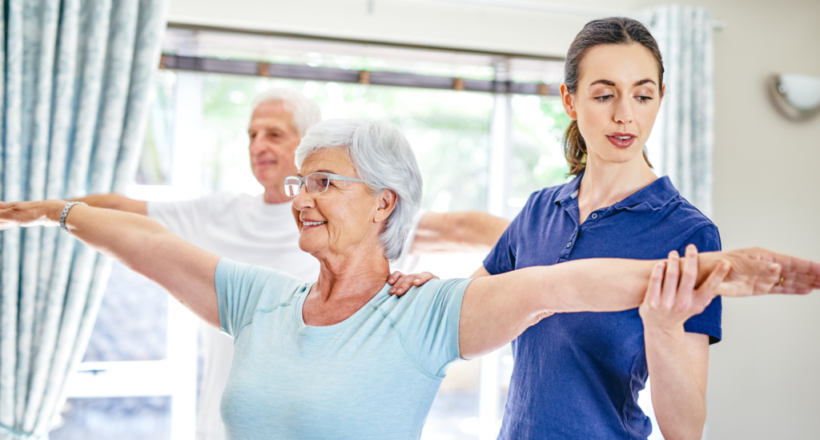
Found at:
(318, 171)
(607, 82)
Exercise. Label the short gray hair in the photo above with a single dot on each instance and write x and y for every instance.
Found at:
(304, 111)
(384, 160)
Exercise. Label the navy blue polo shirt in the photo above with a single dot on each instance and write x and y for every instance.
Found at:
(577, 375)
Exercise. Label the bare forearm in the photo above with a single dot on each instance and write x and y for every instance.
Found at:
(678, 398)
(149, 249)
(117, 202)
(471, 231)
(489, 319)
(603, 284)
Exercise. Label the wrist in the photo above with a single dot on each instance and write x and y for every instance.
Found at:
(52, 209)
(663, 330)
(707, 263)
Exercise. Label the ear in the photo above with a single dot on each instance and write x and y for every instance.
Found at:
(663, 90)
(387, 203)
(568, 101)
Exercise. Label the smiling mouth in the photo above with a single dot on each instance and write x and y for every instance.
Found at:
(312, 223)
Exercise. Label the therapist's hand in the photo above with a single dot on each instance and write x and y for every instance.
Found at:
(402, 283)
(671, 298)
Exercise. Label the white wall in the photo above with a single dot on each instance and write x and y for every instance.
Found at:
(765, 376)
(424, 22)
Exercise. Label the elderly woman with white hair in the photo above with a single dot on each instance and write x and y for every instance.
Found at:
(341, 357)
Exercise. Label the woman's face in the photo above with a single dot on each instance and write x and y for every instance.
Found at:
(616, 102)
(347, 217)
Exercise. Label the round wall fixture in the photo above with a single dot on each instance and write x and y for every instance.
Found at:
(796, 96)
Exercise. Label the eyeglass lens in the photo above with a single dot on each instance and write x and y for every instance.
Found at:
(317, 183)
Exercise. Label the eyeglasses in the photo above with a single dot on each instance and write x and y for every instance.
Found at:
(316, 183)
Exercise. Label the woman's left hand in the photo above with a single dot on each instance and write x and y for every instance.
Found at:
(28, 214)
(402, 283)
(668, 304)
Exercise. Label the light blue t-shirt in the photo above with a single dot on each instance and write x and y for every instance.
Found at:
(371, 376)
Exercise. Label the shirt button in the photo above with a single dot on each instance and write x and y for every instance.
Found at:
(569, 245)
(594, 215)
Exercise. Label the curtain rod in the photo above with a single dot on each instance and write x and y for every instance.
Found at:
(293, 71)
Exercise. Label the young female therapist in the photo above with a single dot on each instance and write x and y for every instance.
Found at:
(578, 375)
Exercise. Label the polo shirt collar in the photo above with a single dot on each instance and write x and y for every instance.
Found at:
(569, 191)
(656, 195)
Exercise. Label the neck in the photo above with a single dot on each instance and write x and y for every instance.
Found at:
(606, 183)
(275, 195)
(353, 275)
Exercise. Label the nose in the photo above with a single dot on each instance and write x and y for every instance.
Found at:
(256, 144)
(623, 111)
(303, 200)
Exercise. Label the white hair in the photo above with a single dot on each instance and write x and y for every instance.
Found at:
(383, 159)
(304, 111)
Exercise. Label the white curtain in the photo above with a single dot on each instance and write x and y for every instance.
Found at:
(74, 94)
(682, 141)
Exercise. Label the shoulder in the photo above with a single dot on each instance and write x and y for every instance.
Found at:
(421, 300)
(692, 225)
(274, 285)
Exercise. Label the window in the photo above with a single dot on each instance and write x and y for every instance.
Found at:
(478, 149)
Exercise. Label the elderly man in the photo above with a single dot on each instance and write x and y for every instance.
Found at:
(260, 229)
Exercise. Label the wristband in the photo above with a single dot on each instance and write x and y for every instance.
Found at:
(64, 214)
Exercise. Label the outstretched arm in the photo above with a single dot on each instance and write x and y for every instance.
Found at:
(469, 231)
(117, 202)
(496, 309)
(184, 270)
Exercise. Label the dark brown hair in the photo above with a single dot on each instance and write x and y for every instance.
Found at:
(613, 30)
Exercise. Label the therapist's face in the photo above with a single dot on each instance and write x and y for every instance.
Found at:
(616, 102)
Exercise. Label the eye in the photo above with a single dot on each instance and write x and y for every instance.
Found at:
(603, 98)
(643, 99)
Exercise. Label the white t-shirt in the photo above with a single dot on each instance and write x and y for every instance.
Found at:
(243, 228)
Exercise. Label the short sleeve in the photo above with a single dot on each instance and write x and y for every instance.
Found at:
(501, 258)
(707, 239)
(242, 289)
(427, 320)
(184, 218)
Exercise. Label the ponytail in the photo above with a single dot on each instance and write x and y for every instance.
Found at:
(575, 149)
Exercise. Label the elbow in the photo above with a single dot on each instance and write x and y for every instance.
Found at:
(690, 431)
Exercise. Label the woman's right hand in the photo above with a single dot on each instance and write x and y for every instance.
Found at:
(45, 213)
(758, 271)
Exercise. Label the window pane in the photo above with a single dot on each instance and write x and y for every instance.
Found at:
(132, 322)
(537, 157)
(448, 130)
(129, 418)
(157, 151)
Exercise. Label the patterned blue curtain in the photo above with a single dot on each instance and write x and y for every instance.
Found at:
(74, 97)
(683, 139)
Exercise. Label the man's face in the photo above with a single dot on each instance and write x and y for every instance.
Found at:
(273, 142)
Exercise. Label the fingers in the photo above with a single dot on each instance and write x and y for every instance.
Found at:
(688, 279)
(670, 281)
(653, 291)
(710, 288)
(402, 283)
(394, 277)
